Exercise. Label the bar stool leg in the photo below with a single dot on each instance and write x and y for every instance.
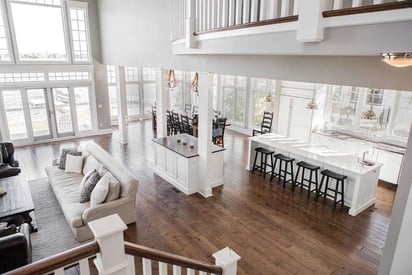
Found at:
(254, 162)
(316, 183)
(264, 169)
(326, 188)
(261, 162)
(285, 174)
(310, 183)
(343, 193)
(291, 170)
(271, 166)
(318, 194)
(273, 169)
(296, 178)
(335, 198)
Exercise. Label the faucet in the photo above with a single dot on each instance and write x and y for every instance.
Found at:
(363, 157)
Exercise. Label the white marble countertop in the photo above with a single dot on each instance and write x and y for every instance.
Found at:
(315, 152)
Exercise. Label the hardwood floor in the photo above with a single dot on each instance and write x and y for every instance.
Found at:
(274, 230)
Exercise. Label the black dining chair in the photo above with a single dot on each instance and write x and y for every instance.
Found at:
(177, 127)
(218, 131)
(154, 117)
(188, 108)
(195, 109)
(266, 125)
(169, 122)
(186, 127)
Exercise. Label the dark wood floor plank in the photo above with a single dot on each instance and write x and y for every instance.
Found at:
(275, 230)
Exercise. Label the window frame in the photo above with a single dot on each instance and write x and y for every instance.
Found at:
(7, 30)
(79, 5)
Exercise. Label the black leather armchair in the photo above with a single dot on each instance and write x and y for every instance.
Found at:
(11, 165)
(15, 249)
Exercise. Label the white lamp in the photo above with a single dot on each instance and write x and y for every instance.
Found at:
(397, 59)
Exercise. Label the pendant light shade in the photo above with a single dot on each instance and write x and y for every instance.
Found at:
(399, 59)
(369, 114)
(312, 104)
(171, 81)
(195, 84)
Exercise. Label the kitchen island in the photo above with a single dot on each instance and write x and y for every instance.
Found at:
(360, 186)
(177, 161)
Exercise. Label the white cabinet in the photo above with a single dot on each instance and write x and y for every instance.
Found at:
(392, 163)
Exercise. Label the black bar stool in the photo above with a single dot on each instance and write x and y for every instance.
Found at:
(288, 163)
(301, 183)
(263, 161)
(340, 180)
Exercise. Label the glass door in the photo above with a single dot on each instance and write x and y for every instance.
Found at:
(39, 114)
(83, 109)
(63, 112)
(14, 116)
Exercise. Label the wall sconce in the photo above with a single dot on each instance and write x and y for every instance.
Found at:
(171, 81)
(398, 59)
(195, 84)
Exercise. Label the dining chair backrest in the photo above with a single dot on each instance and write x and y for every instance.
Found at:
(186, 128)
(176, 122)
(267, 120)
(169, 122)
(188, 108)
(221, 123)
(195, 109)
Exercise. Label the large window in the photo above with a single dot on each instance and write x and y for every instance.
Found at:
(149, 89)
(176, 94)
(132, 91)
(234, 98)
(83, 111)
(4, 49)
(13, 106)
(403, 118)
(79, 34)
(261, 89)
(344, 105)
(111, 81)
(39, 31)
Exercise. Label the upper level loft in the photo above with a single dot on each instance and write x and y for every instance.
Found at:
(291, 27)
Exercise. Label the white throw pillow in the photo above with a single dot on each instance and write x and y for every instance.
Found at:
(114, 188)
(90, 163)
(100, 191)
(74, 164)
(85, 178)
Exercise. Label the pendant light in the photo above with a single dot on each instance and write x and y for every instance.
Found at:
(369, 114)
(312, 104)
(171, 81)
(397, 59)
(195, 84)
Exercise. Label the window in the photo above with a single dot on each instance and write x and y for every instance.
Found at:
(4, 49)
(63, 112)
(149, 74)
(39, 30)
(69, 76)
(403, 118)
(13, 107)
(260, 90)
(344, 105)
(111, 80)
(234, 98)
(132, 74)
(133, 99)
(21, 77)
(82, 101)
(111, 74)
(79, 34)
(176, 94)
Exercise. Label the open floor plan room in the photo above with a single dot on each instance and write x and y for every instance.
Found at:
(276, 231)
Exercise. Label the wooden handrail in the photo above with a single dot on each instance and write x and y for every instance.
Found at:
(369, 8)
(165, 257)
(60, 260)
(253, 24)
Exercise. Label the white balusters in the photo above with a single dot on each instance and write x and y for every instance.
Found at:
(225, 14)
(263, 10)
(59, 271)
(214, 14)
(356, 3)
(84, 266)
(232, 12)
(378, 2)
(254, 10)
(202, 273)
(190, 271)
(219, 13)
(273, 9)
(147, 266)
(284, 9)
(238, 12)
(177, 270)
(296, 7)
(246, 11)
(337, 4)
(162, 268)
(130, 265)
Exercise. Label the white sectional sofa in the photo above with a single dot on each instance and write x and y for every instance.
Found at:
(66, 189)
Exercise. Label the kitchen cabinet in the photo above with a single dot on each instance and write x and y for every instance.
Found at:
(392, 164)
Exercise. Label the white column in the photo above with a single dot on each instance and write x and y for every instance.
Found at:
(205, 133)
(191, 24)
(162, 103)
(396, 257)
(310, 24)
(227, 259)
(121, 104)
(108, 232)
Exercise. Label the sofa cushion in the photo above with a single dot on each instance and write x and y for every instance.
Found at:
(65, 151)
(88, 186)
(66, 190)
(100, 191)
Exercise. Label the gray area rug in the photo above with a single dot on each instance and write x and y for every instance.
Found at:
(54, 235)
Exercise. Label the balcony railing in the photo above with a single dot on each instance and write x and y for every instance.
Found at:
(197, 17)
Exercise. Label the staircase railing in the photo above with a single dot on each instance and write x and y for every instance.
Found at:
(111, 255)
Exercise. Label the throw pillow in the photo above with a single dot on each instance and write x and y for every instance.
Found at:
(65, 151)
(87, 188)
(85, 178)
(90, 163)
(114, 188)
(100, 191)
(74, 164)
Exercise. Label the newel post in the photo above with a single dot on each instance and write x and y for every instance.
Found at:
(227, 259)
(108, 232)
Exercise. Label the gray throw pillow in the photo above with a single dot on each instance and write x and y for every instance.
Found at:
(65, 151)
(87, 188)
